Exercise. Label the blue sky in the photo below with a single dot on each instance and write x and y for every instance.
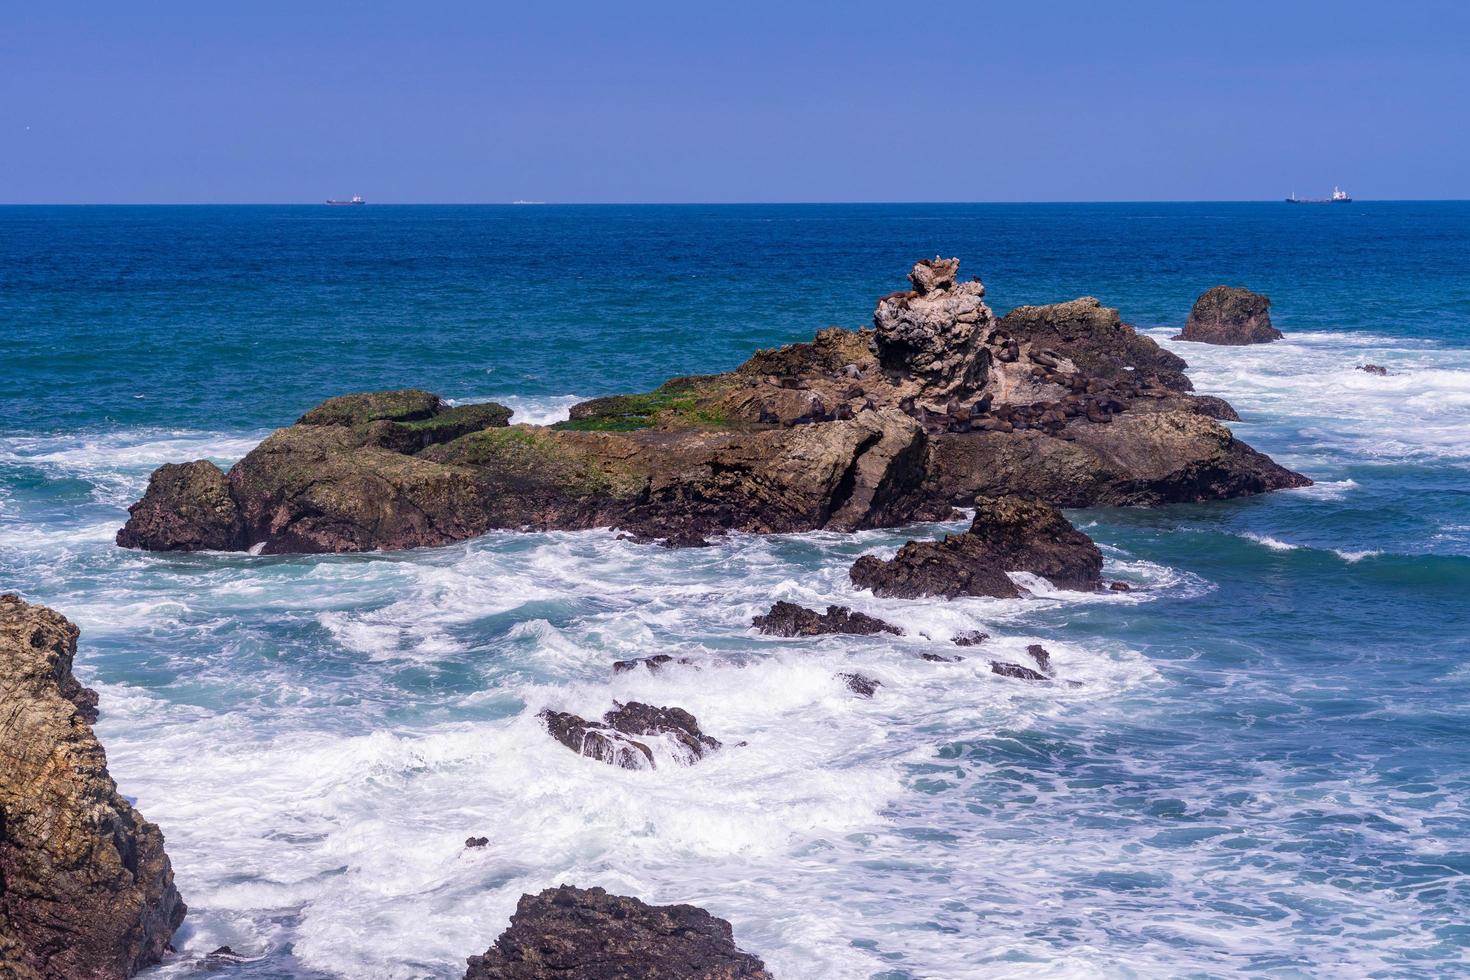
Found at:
(749, 101)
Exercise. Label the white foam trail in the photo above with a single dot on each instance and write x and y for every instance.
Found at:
(1273, 543)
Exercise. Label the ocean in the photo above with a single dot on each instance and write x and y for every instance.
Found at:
(1263, 768)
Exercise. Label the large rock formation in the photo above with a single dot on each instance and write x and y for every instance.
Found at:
(86, 890)
(571, 933)
(1231, 316)
(1009, 534)
(937, 402)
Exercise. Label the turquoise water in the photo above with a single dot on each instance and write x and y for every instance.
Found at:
(1264, 767)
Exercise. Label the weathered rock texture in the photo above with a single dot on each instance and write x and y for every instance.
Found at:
(1009, 534)
(620, 738)
(937, 402)
(789, 619)
(86, 890)
(1232, 316)
(568, 933)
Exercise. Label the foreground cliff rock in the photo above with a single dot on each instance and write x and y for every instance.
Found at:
(939, 401)
(1231, 316)
(1009, 534)
(566, 933)
(86, 890)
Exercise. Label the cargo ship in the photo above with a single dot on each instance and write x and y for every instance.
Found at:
(356, 199)
(1339, 196)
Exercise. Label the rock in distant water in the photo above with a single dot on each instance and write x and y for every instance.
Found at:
(1377, 369)
(789, 619)
(969, 638)
(86, 889)
(935, 403)
(568, 933)
(614, 740)
(1009, 534)
(1231, 316)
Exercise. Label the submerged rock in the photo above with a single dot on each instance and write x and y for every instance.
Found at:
(789, 619)
(1005, 669)
(613, 739)
(1009, 534)
(969, 638)
(1231, 316)
(86, 889)
(937, 402)
(565, 933)
(861, 684)
(1039, 653)
(1377, 369)
(652, 664)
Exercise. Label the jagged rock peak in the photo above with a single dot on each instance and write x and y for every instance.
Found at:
(929, 275)
(937, 330)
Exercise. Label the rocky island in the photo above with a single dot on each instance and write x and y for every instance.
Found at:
(1230, 316)
(940, 400)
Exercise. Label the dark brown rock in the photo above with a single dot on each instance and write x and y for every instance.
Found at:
(1097, 342)
(1015, 670)
(1232, 316)
(969, 638)
(789, 619)
(568, 933)
(1009, 534)
(1377, 369)
(86, 889)
(1143, 458)
(652, 664)
(188, 507)
(861, 684)
(613, 739)
(476, 841)
(1039, 653)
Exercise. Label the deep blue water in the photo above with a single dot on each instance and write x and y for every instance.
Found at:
(1264, 768)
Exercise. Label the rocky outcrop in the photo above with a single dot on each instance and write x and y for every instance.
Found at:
(1377, 369)
(1009, 534)
(789, 619)
(86, 889)
(188, 507)
(568, 933)
(969, 638)
(1141, 458)
(937, 402)
(1231, 316)
(620, 739)
(1020, 673)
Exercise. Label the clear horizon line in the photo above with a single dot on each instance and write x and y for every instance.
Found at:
(322, 203)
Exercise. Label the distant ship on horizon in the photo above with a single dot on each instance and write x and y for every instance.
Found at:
(1339, 196)
(356, 199)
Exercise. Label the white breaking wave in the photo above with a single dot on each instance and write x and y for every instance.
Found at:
(531, 409)
(1310, 382)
